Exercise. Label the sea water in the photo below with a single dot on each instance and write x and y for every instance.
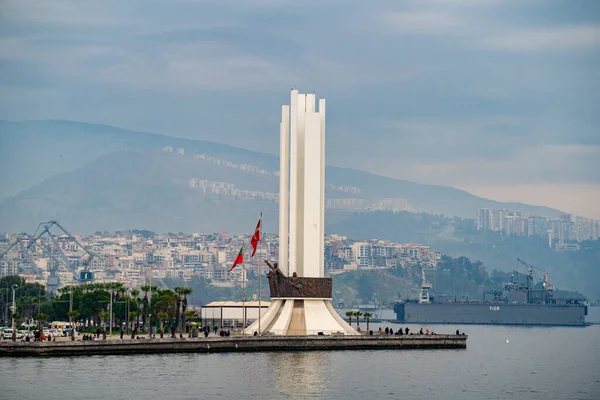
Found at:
(500, 362)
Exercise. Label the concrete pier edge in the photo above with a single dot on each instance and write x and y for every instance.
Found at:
(230, 344)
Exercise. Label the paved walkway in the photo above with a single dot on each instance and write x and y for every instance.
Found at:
(117, 336)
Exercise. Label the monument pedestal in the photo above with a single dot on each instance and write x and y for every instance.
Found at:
(300, 317)
(300, 306)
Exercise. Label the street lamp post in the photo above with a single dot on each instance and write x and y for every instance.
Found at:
(127, 323)
(5, 304)
(14, 310)
(111, 313)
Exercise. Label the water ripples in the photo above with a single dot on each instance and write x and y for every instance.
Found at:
(539, 363)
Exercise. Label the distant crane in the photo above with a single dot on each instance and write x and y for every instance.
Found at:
(58, 255)
(18, 240)
(548, 286)
(22, 240)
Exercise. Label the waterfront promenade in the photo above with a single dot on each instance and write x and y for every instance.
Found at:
(66, 347)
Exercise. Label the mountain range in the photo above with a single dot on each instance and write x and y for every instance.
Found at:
(95, 177)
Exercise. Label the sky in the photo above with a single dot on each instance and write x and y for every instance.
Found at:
(497, 97)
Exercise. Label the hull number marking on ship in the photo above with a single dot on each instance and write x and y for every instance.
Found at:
(494, 308)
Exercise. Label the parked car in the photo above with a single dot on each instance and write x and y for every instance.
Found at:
(7, 334)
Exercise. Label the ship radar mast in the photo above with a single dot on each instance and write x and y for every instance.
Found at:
(547, 285)
(425, 286)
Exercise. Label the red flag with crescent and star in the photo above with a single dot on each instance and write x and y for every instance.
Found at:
(256, 236)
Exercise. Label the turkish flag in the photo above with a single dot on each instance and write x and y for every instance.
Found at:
(256, 237)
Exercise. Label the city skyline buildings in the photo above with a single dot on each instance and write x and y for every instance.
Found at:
(567, 227)
(128, 257)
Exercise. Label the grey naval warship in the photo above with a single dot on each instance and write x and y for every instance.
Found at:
(517, 304)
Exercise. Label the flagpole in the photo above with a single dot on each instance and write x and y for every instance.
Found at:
(243, 301)
(259, 279)
(239, 260)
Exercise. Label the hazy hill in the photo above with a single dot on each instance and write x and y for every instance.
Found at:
(101, 177)
(32, 151)
(427, 198)
(128, 189)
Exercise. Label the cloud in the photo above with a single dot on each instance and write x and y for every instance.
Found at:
(447, 91)
(520, 164)
(62, 12)
(558, 39)
(419, 22)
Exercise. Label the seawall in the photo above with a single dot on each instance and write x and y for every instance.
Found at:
(230, 344)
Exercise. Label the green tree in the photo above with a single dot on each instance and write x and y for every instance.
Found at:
(28, 297)
(350, 314)
(105, 316)
(132, 316)
(164, 301)
(368, 317)
(135, 297)
(93, 303)
(185, 292)
(357, 314)
(178, 299)
(149, 304)
(145, 303)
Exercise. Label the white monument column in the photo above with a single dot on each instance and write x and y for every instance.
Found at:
(322, 165)
(302, 158)
(313, 188)
(293, 157)
(298, 234)
(284, 179)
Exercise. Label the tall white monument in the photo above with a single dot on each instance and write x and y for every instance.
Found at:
(300, 304)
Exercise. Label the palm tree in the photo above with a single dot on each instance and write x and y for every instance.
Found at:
(132, 316)
(350, 314)
(357, 314)
(368, 316)
(162, 316)
(178, 299)
(121, 291)
(135, 296)
(190, 314)
(105, 317)
(64, 290)
(145, 289)
(73, 315)
(185, 291)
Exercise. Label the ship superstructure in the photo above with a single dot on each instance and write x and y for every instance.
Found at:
(519, 303)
